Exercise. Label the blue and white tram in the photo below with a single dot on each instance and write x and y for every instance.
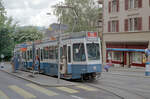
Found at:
(80, 57)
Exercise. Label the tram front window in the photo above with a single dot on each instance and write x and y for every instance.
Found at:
(93, 51)
(79, 52)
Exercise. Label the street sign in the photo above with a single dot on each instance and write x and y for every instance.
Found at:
(2, 56)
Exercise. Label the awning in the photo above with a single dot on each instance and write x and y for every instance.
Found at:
(124, 49)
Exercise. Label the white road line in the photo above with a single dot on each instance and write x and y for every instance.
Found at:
(3, 95)
(76, 97)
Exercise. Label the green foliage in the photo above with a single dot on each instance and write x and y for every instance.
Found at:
(28, 33)
(10, 35)
(88, 12)
(6, 30)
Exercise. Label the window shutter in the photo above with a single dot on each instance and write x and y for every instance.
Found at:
(126, 25)
(117, 26)
(139, 3)
(117, 5)
(109, 6)
(140, 23)
(126, 4)
(109, 26)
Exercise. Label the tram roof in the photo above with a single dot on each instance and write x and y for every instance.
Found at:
(64, 36)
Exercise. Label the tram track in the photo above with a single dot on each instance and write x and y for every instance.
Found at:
(121, 96)
(106, 91)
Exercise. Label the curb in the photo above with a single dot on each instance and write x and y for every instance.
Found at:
(129, 75)
(39, 83)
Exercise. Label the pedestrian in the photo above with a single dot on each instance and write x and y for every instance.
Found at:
(15, 63)
(107, 66)
(37, 63)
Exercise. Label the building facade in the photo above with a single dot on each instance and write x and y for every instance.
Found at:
(126, 24)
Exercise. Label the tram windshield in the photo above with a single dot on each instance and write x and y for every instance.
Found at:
(93, 51)
(79, 52)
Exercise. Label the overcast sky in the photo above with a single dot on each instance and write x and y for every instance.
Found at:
(31, 12)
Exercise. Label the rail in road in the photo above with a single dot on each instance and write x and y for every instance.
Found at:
(121, 92)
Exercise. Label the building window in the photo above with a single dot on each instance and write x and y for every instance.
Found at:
(113, 26)
(131, 4)
(133, 24)
(117, 56)
(136, 57)
(113, 6)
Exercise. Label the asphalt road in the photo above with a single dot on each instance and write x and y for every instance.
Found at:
(15, 88)
(128, 87)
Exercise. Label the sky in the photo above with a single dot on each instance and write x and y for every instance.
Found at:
(31, 12)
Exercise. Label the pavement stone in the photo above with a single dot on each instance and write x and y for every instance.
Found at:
(39, 79)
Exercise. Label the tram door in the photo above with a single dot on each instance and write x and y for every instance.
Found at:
(63, 56)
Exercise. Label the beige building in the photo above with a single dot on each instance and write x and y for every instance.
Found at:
(126, 25)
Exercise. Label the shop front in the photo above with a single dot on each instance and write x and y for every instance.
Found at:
(126, 58)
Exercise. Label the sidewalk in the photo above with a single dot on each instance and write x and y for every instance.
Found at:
(131, 72)
(38, 79)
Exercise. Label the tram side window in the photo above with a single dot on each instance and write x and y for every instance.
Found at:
(30, 54)
(51, 52)
(41, 54)
(69, 54)
(24, 55)
(45, 50)
(61, 52)
(79, 52)
(56, 52)
(38, 52)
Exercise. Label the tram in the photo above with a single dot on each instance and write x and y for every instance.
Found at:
(80, 56)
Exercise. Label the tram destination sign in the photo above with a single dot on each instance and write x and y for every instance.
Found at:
(92, 36)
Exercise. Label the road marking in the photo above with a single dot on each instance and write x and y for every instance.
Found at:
(3, 95)
(22, 92)
(76, 97)
(42, 90)
(87, 88)
(67, 89)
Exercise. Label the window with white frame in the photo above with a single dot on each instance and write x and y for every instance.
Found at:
(114, 26)
(133, 24)
(133, 4)
(114, 6)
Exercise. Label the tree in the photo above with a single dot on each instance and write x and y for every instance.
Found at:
(6, 30)
(88, 12)
(28, 33)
